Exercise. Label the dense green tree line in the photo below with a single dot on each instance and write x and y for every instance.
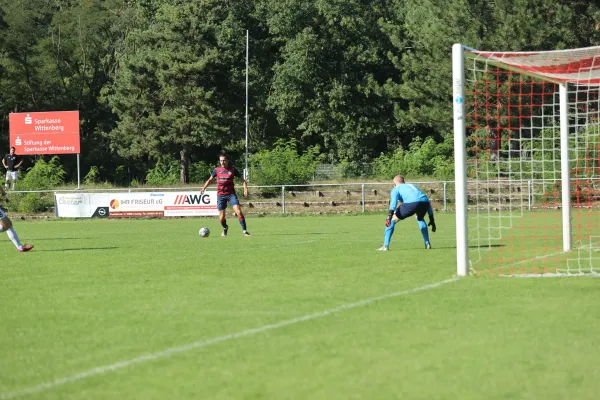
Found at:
(163, 81)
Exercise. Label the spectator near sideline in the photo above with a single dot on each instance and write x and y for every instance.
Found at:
(12, 163)
(225, 174)
(414, 201)
(7, 226)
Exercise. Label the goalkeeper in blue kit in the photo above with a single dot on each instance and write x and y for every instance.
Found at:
(414, 202)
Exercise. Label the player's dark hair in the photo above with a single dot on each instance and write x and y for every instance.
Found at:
(223, 154)
(12, 148)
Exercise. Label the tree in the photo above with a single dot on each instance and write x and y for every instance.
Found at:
(58, 56)
(172, 89)
(85, 42)
(329, 77)
(431, 27)
(26, 82)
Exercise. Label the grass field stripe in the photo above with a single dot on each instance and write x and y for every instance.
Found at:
(536, 258)
(205, 343)
(54, 274)
(541, 257)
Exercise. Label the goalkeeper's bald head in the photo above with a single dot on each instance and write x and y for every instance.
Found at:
(398, 179)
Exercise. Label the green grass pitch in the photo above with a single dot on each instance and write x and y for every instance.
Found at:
(146, 309)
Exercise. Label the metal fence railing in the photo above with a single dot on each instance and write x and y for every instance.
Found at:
(352, 197)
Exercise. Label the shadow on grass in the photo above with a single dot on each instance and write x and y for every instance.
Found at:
(58, 238)
(486, 246)
(434, 247)
(300, 233)
(77, 249)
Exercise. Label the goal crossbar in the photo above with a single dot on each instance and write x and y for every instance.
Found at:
(578, 66)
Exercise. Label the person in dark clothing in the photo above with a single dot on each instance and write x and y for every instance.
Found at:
(12, 163)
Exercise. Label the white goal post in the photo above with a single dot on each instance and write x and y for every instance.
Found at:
(526, 143)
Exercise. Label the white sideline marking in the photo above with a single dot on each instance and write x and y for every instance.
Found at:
(554, 275)
(205, 343)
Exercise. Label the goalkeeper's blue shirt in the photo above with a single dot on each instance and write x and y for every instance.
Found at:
(406, 193)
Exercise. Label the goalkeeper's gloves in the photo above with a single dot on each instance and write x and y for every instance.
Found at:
(388, 220)
(432, 224)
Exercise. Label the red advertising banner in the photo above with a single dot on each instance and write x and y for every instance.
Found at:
(54, 132)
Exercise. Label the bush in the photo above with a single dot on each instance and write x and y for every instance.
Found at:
(168, 174)
(163, 174)
(355, 169)
(121, 176)
(93, 176)
(283, 165)
(30, 203)
(200, 171)
(135, 183)
(423, 158)
(44, 175)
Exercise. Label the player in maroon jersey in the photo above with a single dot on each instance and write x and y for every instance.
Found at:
(225, 173)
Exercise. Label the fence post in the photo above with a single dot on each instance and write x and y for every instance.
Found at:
(283, 199)
(363, 197)
(445, 197)
(529, 194)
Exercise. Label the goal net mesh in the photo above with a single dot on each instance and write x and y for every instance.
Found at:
(514, 182)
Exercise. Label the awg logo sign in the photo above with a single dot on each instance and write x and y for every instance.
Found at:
(191, 199)
(190, 204)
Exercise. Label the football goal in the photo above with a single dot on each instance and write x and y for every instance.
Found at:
(527, 154)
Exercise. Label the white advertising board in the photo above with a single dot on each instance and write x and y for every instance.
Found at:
(162, 204)
(190, 204)
(81, 205)
(126, 205)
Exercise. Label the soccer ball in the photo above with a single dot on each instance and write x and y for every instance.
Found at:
(204, 232)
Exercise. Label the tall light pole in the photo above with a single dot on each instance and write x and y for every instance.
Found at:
(246, 169)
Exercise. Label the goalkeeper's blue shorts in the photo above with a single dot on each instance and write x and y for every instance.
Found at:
(409, 209)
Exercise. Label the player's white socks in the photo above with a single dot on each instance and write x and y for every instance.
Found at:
(12, 235)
